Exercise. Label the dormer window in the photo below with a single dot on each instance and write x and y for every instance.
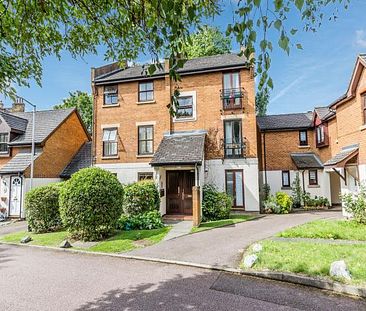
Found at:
(4, 140)
(111, 95)
(320, 135)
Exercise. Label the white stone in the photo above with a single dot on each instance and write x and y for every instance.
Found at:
(339, 269)
(250, 260)
(257, 248)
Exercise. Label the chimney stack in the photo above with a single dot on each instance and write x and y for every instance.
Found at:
(1, 105)
(18, 105)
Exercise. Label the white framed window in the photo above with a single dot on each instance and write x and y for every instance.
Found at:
(110, 95)
(4, 140)
(186, 111)
(110, 144)
(285, 179)
(146, 91)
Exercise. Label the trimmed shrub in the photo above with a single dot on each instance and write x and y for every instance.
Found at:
(141, 197)
(270, 205)
(284, 201)
(144, 221)
(91, 203)
(215, 205)
(42, 208)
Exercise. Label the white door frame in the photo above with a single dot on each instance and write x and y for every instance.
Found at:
(21, 194)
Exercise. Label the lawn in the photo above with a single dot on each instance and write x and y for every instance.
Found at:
(234, 219)
(328, 229)
(122, 241)
(312, 259)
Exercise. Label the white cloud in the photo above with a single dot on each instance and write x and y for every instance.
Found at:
(361, 38)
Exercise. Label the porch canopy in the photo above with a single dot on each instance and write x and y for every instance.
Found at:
(18, 164)
(342, 158)
(180, 149)
(307, 160)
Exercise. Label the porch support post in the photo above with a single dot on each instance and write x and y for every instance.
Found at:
(196, 202)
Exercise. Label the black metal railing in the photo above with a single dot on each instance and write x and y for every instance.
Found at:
(232, 98)
(235, 150)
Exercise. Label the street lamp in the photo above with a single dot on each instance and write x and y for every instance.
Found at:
(33, 139)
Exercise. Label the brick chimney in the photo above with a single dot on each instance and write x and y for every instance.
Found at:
(18, 105)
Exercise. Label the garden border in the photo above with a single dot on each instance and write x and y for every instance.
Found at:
(319, 283)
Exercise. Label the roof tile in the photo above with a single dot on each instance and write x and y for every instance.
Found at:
(285, 121)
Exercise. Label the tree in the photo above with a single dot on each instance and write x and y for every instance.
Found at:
(208, 41)
(84, 104)
(32, 30)
(261, 102)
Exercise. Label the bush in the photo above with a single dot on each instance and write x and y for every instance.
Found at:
(281, 203)
(141, 197)
(42, 208)
(284, 201)
(215, 205)
(316, 202)
(355, 204)
(144, 221)
(91, 203)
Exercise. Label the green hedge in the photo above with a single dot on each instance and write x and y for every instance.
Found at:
(42, 208)
(215, 205)
(144, 221)
(91, 203)
(141, 197)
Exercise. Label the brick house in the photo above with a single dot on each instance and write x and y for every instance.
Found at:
(211, 139)
(327, 146)
(59, 136)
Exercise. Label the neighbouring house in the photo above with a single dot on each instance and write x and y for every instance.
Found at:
(60, 135)
(326, 146)
(211, 139)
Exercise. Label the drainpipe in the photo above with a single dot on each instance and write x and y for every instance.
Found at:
(265, 157)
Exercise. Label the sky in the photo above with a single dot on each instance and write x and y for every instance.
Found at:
(312, 77)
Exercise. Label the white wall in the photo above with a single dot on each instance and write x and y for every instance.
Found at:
(127, 172)
(274, 179)
(215, 174)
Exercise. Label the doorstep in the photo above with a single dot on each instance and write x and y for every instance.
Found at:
(177, 217)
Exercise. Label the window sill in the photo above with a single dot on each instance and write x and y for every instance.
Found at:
(149, 102)
(110, 157)
(313, 186)
(184, 120)
(110, 106)
(150, 155)
(304, 146)
(4, 155)
(363, 127)
(286, 188)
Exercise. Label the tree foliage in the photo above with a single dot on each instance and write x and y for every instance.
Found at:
(208, 41)
(261, 101)
(32, 30)
(84, 104)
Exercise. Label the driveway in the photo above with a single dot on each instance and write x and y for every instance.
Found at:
(222, 247)
(38, 279)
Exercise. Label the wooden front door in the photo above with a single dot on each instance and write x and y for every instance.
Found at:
(179, 192)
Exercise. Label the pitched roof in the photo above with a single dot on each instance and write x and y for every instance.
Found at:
(306, 160)
(343, 155)
(46, 122)
(290, 121)
(210, 63)
(15, 123)
(81, 160)
(18, 163)
(324, 113)
(180, 149)
(363, 57)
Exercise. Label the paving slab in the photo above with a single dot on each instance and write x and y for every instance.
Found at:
(223, 247)
(179, 228)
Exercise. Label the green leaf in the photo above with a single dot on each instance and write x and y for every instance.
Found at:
(299, 4)
(278, 24)
(293, 31)
(299, 46)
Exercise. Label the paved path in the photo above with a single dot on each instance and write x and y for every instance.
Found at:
(223, 246)
(179, 228)
(13, 227)
(38, 279)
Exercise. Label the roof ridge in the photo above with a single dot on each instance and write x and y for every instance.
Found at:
(46, 110)
(12, 114)
(283, 114)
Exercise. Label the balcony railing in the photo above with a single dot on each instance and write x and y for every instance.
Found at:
(235, 150)
(232, 98)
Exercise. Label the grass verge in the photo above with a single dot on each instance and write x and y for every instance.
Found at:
(122, 241)
(328, 229)
(234, 219)
(312, 259)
